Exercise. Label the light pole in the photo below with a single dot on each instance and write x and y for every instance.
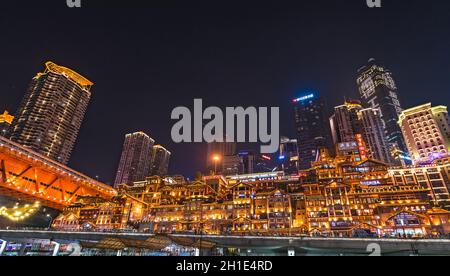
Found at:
(216, 159)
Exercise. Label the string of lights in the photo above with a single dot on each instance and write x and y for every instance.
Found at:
(19, 213)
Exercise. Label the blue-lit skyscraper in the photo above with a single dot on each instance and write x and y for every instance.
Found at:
(313, 130)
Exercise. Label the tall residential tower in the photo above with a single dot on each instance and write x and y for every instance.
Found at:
(160, 161)
(50, 115)
(135, 162)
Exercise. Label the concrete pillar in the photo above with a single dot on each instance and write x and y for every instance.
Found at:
(3, 246)
(119, 253)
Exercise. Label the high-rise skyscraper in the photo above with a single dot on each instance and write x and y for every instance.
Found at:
(377, 89)
(160, 161)
(350, 121)
(426, 130)
(50, 115)
(135, 161)
(5, 123)
(344, 122)
(373, 135)
(312, 128)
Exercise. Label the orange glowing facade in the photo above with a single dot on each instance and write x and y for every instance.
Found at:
(340, 196)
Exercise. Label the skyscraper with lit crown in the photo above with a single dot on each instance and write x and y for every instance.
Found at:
(377, 89)
(50, 115)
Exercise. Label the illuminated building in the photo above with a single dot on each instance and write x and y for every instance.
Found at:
(377, 89)
(160, 161)
(50, 115)
(344, 195)
(5, 122)
(373, 134)
(436, 176)
(312, 128)
(427, 132)
(135, 161)
(345, 123)
(288, 157)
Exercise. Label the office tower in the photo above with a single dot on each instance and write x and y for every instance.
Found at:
(350, 120)
(344, 122)
(160, 161)
(288, 156)
(312, 128)
(5, 123)
(135, 160)
(373, 135)
(216, 152)
(377, 89)
(50, 115)
(247, 162)
(426, 130)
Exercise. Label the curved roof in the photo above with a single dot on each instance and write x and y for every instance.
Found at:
(79, 79)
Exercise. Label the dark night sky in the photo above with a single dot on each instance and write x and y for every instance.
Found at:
(147, 57)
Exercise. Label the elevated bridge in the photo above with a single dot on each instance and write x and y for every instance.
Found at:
(30, 176)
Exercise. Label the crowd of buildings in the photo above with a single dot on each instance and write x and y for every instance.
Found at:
(371, 168)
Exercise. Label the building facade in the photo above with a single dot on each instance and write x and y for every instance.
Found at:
(312, 128)
(340, 196)
(373, 134)
(50, 115)
(136, 158)
(288, 156)
(160, 161)
(377, 89)
(345, 124)
(427, 132)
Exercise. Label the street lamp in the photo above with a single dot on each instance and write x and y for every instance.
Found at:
(216, 158)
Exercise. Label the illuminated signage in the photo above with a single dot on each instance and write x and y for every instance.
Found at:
(304, 98)
(361, 146)
(348, 146)
(371, 183)
(266, 157)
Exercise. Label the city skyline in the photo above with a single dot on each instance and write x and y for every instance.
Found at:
(291, 81)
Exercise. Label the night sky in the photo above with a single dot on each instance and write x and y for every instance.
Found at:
(148, 57)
